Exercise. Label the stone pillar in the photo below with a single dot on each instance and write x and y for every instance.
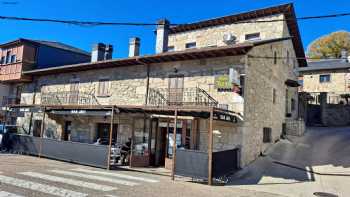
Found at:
(162, 36)
(323, 106)
(134, 47)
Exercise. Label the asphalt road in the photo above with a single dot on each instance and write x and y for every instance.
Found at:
(31, 176)
(301, 166)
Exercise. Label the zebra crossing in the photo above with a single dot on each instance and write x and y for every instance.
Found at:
(92, 180)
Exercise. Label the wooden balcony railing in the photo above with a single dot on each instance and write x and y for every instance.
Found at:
(180, 97)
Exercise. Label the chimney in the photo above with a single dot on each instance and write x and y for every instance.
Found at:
(108, 52)
(162, 36)
(134, 47)
(344, 55)
(98, 52)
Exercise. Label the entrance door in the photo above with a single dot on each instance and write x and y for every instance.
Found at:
(67, 130)
(161, 147)
(103, 130)
(176, 88)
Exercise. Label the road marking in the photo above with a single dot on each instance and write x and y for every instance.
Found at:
(93, 177)
(7, 194)
(117, 175)
(69, 181)
(40, 187)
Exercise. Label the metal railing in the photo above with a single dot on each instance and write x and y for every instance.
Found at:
(180, 97)
(68, 98)
(10, 101)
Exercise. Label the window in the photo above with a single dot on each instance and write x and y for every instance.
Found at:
(8, 54)
(325, 78)
(241, 79)
(267, 138)
(103, 87)
(13, 58)
(2, 61)
(275, 57)
(287, 57)
(274, 95)
(191, 45)
(252, 37)
(301, 82)
(171, 48)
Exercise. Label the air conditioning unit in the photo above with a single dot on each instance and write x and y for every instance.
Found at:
(234, 77)
(229, 38)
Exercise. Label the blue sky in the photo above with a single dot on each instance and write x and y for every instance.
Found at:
(177, 11)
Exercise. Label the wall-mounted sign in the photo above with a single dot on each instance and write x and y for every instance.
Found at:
(222, 82)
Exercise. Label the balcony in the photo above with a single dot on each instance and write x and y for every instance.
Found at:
(180, 97)
(10, 101)
(68, 98)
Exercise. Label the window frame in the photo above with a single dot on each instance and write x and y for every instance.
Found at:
(252, 36)
(104, 91)
(13, 58)
(171, 49)
(8, 57)
(274, 57)
(324, 81)
(2, 60)
(191, 45)
(267, 135)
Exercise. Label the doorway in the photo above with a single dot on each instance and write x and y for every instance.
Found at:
(176, 88)
(103, 131)
(67, 130)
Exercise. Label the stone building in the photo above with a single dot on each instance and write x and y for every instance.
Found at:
(223, 78)
(327, 82)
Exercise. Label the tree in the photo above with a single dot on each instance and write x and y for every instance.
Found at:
(329, 46)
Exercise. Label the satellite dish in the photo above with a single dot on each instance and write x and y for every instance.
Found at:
(229, 38)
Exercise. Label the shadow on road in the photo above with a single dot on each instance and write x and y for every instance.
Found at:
(293, 161)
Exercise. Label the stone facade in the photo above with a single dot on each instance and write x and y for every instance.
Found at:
(264, 81)
(211, 37)
(339, 81)
(265, 102)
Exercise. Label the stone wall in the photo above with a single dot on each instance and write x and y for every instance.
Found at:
(213, 36)
(338, 81)
(262, 78)
(201, 73)
(335, 115)
(295, 127)
(128, 85)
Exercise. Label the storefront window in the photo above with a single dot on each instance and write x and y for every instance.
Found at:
(141, 137)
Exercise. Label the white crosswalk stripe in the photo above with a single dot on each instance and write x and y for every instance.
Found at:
(40, 187)
(7, 194)
(74, 182)
(94, 177)
(113, 174)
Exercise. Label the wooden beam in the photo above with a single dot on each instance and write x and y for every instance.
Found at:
(174, 147)
(110, 140)
(210, 148)
(42, 133)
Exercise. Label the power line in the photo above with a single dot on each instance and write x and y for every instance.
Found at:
(297, 58)
(98, 23)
